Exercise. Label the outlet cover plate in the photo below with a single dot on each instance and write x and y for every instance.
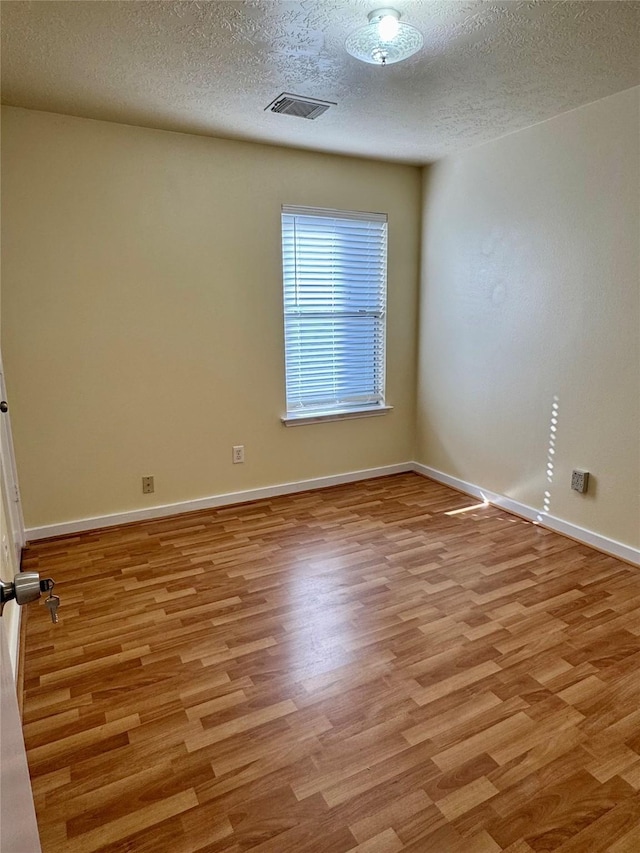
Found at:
(579, 481)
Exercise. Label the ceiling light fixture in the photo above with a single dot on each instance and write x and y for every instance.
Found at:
(385, 39)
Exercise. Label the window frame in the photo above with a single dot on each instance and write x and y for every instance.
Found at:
(302, 414)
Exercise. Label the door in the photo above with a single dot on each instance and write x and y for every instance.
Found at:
(11, 523)
(18, 826)
(10, 476)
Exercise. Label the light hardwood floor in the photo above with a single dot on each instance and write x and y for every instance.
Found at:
(347, 669)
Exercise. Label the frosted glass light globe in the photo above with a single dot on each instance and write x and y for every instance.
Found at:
(385, 39)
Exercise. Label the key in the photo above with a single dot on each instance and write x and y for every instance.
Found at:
(52, 603)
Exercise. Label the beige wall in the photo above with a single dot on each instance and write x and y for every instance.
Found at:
(530, 292)
(143, 313)
(142, 328)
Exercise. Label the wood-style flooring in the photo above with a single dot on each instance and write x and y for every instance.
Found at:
(360, 668)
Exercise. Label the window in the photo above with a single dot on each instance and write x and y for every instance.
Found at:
(335, 282)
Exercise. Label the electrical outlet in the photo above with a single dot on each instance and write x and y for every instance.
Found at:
(579, 481)
(238, 453)
(147, 485)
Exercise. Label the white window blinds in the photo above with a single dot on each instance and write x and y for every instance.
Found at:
(335, 277)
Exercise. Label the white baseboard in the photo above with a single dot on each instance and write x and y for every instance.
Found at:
(588, 537)
(581, 534)
(66, 527)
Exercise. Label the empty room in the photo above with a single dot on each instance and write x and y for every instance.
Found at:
(320, 426)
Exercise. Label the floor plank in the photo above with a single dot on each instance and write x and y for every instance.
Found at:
(360, 668)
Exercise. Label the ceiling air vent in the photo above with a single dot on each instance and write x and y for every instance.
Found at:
(294, 105)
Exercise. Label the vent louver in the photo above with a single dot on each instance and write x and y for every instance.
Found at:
(294, 105)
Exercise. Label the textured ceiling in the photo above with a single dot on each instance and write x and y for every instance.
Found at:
(486, 69)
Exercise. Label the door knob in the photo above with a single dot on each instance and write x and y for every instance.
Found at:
(26, 587)
(3, 406)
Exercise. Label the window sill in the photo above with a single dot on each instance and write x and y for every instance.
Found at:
(347, 414)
